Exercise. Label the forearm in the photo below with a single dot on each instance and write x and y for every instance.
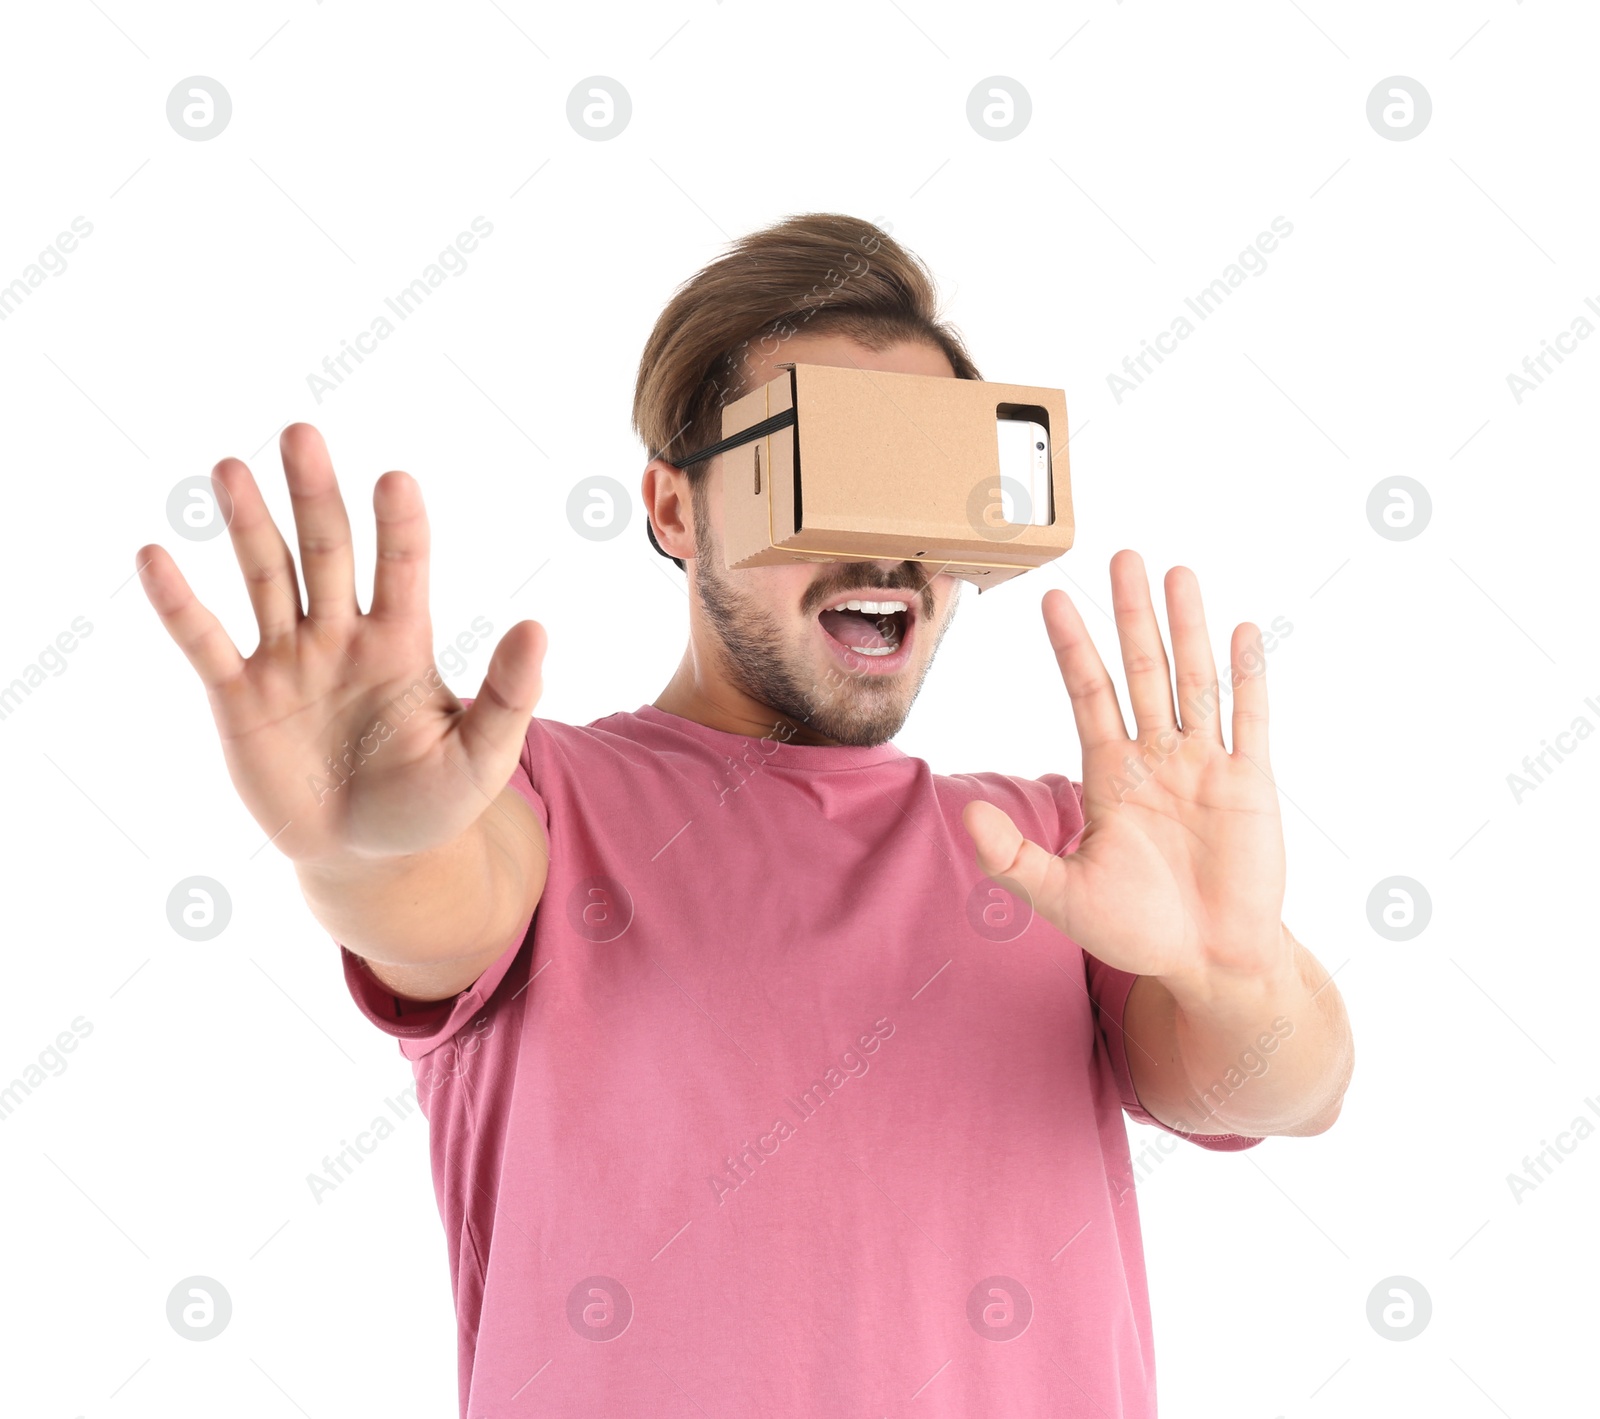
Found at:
(452, 902)
(1269, 1053)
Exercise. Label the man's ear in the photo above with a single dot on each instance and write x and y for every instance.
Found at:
(669, 506)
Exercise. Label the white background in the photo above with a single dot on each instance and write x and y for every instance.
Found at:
(1163, 138)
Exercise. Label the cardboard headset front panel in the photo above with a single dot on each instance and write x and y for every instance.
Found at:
(888, 466)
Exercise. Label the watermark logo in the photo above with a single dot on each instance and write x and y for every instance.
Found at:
(999, 909)
(199, 908)
(988, 503)
(198, 509)
(1399, 908)
(599, 908)
(998, 108)
(1399, 508)
(599, 508)
(199, 1308)
(1399, 1308)
(599, 1308)
(1398, 108)
(198, 108)
(999, 1308)
(598, 108)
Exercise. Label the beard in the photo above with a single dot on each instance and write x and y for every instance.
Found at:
(860, 710)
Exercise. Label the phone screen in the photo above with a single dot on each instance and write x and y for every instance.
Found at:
(1024, 471)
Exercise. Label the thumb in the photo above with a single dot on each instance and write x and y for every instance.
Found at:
(492, 730)
(1005, 854)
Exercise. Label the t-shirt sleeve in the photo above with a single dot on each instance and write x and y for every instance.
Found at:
(422, 1025)
(1108, 990)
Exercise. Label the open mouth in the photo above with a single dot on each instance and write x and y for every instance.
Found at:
(870, 634)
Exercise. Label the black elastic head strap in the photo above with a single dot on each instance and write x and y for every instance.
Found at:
(756, 431)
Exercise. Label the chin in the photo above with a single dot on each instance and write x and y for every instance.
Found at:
(861, 726)
(861, 710)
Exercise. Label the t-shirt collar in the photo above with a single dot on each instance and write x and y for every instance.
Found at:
(775, 750)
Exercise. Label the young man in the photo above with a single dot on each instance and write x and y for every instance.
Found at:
(749, 1090)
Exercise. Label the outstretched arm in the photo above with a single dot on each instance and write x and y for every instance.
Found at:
(388, 794)
(1178, 875)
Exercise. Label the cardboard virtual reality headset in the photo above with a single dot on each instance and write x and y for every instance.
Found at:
(825, 463)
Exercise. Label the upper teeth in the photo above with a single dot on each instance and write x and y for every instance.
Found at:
(872, 608)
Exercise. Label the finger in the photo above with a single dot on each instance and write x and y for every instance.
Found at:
(1250, 696)
(492, 730)
(1144, 655)
(199, 635)
(1199, 699)
(262, 553)
(327, 561)
(400, 585)
(1094, 697)
(1039, 877)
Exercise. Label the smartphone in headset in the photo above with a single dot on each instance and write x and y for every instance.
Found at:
(1024, 465)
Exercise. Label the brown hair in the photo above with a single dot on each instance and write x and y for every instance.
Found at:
(818, 271)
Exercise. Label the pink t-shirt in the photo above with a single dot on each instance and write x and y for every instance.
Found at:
(782, 1108)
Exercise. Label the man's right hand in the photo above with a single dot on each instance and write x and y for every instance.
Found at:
(339, 734)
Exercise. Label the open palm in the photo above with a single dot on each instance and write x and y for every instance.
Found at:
(1180, 866)
(338, 732)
